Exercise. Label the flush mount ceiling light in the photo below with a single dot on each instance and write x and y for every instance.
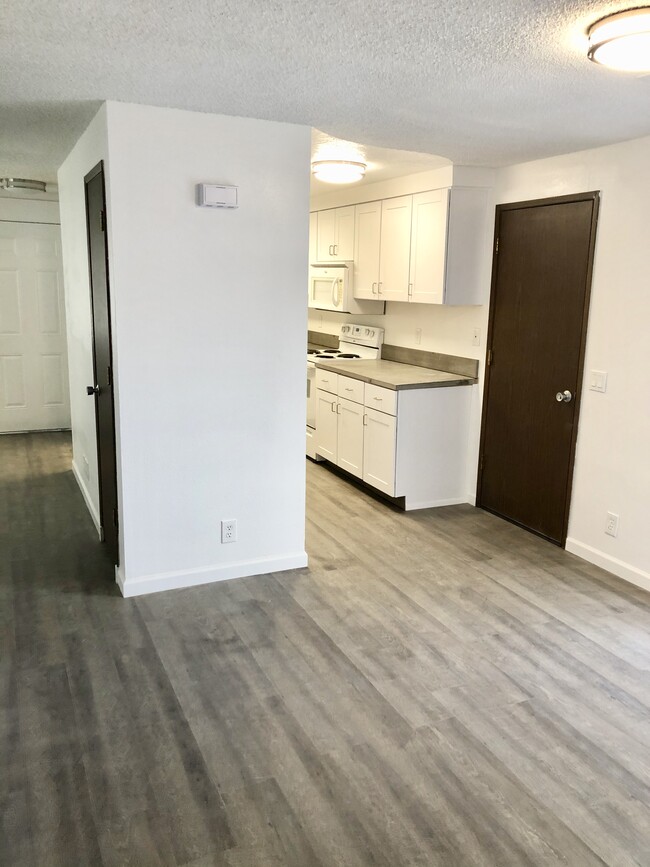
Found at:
(22, 184)
(622, 41)
(338, 171)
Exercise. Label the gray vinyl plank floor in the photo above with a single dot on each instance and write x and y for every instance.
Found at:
(437, 688)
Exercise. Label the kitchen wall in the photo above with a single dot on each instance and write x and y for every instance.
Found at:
(209, 327)
(89, 150)
(425, 326)
(612, 471)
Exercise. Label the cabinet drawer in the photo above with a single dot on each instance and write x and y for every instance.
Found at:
(383, 399)
(326, 381)
(350, 389)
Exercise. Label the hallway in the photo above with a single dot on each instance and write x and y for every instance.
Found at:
(439, 688)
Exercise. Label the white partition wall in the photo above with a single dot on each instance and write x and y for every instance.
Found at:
(209, 323)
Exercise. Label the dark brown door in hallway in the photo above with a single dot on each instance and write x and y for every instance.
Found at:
(102, 388)
(538, 321)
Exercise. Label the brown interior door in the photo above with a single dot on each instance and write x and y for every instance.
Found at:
(538, 321)
(102, 388)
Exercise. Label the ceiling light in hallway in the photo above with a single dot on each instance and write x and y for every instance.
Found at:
(22, 184)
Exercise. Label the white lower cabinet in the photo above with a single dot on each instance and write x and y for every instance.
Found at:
(379, 446)
(350, 437)
(326, 426)
(414, 446)
(339, 421)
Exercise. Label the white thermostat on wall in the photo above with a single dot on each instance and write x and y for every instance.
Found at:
(216, 196)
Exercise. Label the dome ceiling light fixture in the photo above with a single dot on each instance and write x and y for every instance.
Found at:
(22, 184)
(338, 171)
(622, 40)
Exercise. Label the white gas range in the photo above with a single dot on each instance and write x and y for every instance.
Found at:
(355, 341)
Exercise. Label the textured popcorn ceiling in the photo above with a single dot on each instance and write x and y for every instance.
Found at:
(478, 83)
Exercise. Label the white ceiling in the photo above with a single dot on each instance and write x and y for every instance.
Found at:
(480, 84)
(381, 163)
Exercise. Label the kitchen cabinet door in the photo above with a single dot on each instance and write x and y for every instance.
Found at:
(428, 247)
(335, 234)
(350, 437)
(344, 244)
(313, 237)
(395, 248)
(326, 235)
(367, 233)
(326, 425)
(379, 446)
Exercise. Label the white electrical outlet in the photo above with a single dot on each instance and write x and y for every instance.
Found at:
(611, 526)
(229, 530)
(476, 337)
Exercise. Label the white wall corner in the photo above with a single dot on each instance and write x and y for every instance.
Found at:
(142, 585)
(611, 564)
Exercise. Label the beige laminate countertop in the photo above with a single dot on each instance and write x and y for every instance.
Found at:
(392, 374)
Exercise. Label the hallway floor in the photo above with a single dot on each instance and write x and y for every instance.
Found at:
(439, 688)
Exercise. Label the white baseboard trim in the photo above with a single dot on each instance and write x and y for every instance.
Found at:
(610, 564)
(471, 498)
(432, 504)
(192, 578)
(86, 495)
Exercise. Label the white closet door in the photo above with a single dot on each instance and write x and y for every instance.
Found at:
(34, 392)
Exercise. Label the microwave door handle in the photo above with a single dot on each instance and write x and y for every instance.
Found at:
(334, 292)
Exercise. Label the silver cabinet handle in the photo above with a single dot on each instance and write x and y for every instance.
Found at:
(336, 249)
(338, 409)
(564, 396)
(365, 420)
(374, 289)
(331, 247)
(379, 285)
(378, 398)
(410, 289)
(347, 388)
(332, 405)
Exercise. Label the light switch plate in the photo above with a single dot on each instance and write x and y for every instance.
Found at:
(597, 380)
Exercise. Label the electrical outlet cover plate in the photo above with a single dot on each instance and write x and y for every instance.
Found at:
(611, 525)
(229, 531)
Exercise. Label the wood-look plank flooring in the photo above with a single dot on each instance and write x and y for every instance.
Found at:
(439, 688)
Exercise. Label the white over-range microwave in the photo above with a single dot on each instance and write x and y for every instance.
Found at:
(331, 288)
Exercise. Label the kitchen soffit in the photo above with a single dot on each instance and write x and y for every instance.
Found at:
(482, 84)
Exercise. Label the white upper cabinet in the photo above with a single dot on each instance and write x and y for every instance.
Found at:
(425, 248)
(335, 234)
(428, 247)
(367, 233)
(395, 248)
(313, 233)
